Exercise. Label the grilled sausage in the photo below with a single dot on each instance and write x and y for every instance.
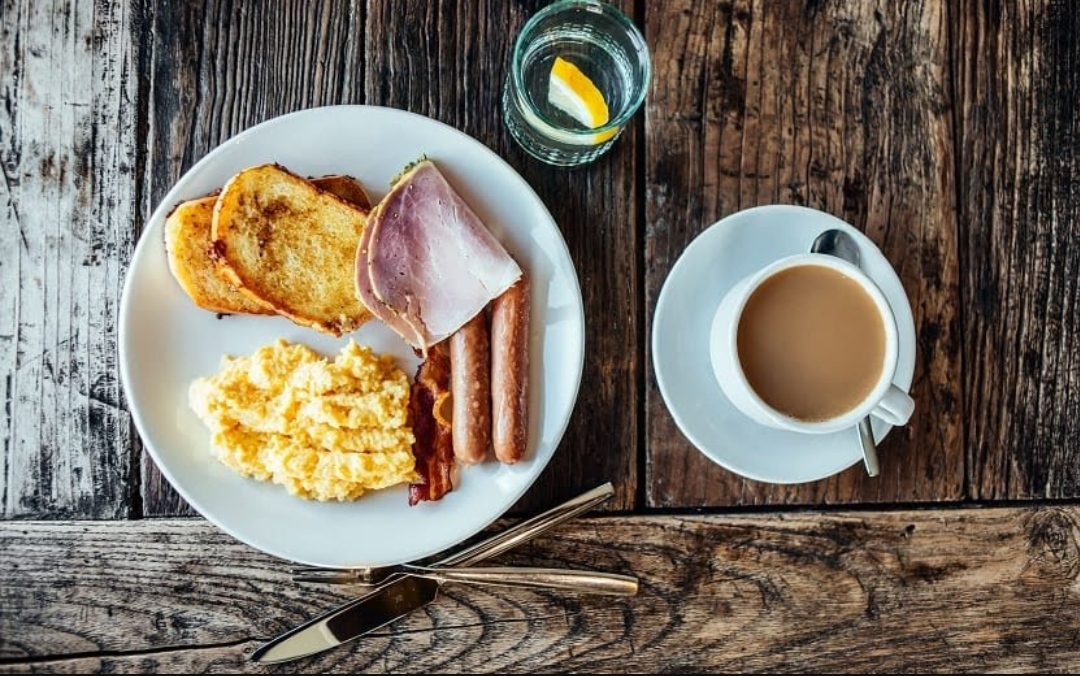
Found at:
(510, 372)
(470, 377)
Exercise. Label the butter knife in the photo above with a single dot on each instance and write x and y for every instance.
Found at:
(403, 593)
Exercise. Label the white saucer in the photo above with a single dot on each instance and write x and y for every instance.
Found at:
(727, 251)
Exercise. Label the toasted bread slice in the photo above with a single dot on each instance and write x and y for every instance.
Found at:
(287, 243)
(188, 248)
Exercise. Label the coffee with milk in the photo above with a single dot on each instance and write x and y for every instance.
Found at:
(811, 342)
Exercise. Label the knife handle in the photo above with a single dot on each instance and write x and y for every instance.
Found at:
(528, 529)
(583, 581)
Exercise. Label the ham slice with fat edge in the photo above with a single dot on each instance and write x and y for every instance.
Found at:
(426, 263)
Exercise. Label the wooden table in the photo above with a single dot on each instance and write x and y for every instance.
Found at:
(946, 130)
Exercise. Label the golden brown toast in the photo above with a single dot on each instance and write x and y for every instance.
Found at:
(285, 242)
(187, 247)
(188, 243)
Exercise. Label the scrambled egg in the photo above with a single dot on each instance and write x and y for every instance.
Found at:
(325, 430)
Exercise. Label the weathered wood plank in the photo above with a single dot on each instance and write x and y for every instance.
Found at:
(1020, 154)
(841, 106)
(418, 57)
(67, 196)
(449, 62)
(981, 590)
(216, 68)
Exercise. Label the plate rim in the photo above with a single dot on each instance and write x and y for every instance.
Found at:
(180, 190)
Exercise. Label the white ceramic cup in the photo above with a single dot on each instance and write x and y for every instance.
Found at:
(885, 400)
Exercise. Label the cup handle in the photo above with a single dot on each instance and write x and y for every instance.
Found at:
(895, 407)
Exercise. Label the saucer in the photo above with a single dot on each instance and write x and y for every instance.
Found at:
(724, 253)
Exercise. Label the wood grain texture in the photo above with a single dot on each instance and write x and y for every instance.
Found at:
(215, 68)
(842, 106)
(946, 130)
(977, 591)
(1019, 206)
(449, 62)
(420, 57)
(67, 156)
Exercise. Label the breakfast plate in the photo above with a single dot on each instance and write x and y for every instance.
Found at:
(714, 261)
(166, 342)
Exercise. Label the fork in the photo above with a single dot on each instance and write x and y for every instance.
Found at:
(564, 579)
(541, 523)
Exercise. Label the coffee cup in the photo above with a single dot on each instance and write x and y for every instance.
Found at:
(808, 344)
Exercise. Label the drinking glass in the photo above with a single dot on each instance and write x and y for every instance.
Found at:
(589, 38)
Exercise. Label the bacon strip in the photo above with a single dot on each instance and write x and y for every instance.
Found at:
(434, 446)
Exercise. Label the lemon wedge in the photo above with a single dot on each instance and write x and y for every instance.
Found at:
(572, 92)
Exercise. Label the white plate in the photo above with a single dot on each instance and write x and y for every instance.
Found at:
(727, 251)
(166, 342)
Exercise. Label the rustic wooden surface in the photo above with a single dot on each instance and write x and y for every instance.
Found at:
(844, 107)
(406, 47)
(1020, 139)
(963, 591)
(68, 130)
(946, 130)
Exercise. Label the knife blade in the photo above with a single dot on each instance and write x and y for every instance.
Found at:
(402, 593)
(417, 589)
(388, 602)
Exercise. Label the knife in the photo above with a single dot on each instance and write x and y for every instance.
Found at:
(403, 593)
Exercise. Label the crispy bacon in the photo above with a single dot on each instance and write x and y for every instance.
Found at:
(434, 447)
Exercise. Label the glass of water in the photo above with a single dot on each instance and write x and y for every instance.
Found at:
(579, 71)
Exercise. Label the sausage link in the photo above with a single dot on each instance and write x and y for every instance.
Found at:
(510, 372)
(470, 377)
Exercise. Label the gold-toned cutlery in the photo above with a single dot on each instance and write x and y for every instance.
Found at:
(487, 548)
(404, 589)
(561, 579)
(501, 576)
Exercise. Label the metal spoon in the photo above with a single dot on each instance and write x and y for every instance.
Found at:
(840, 244)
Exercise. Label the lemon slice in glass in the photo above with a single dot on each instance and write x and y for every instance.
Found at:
(572, 92)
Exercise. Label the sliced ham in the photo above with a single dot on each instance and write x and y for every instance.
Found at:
(366, 293)
(426, 263)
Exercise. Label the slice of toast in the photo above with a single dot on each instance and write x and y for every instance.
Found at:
(188, 249)
(287, 243)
